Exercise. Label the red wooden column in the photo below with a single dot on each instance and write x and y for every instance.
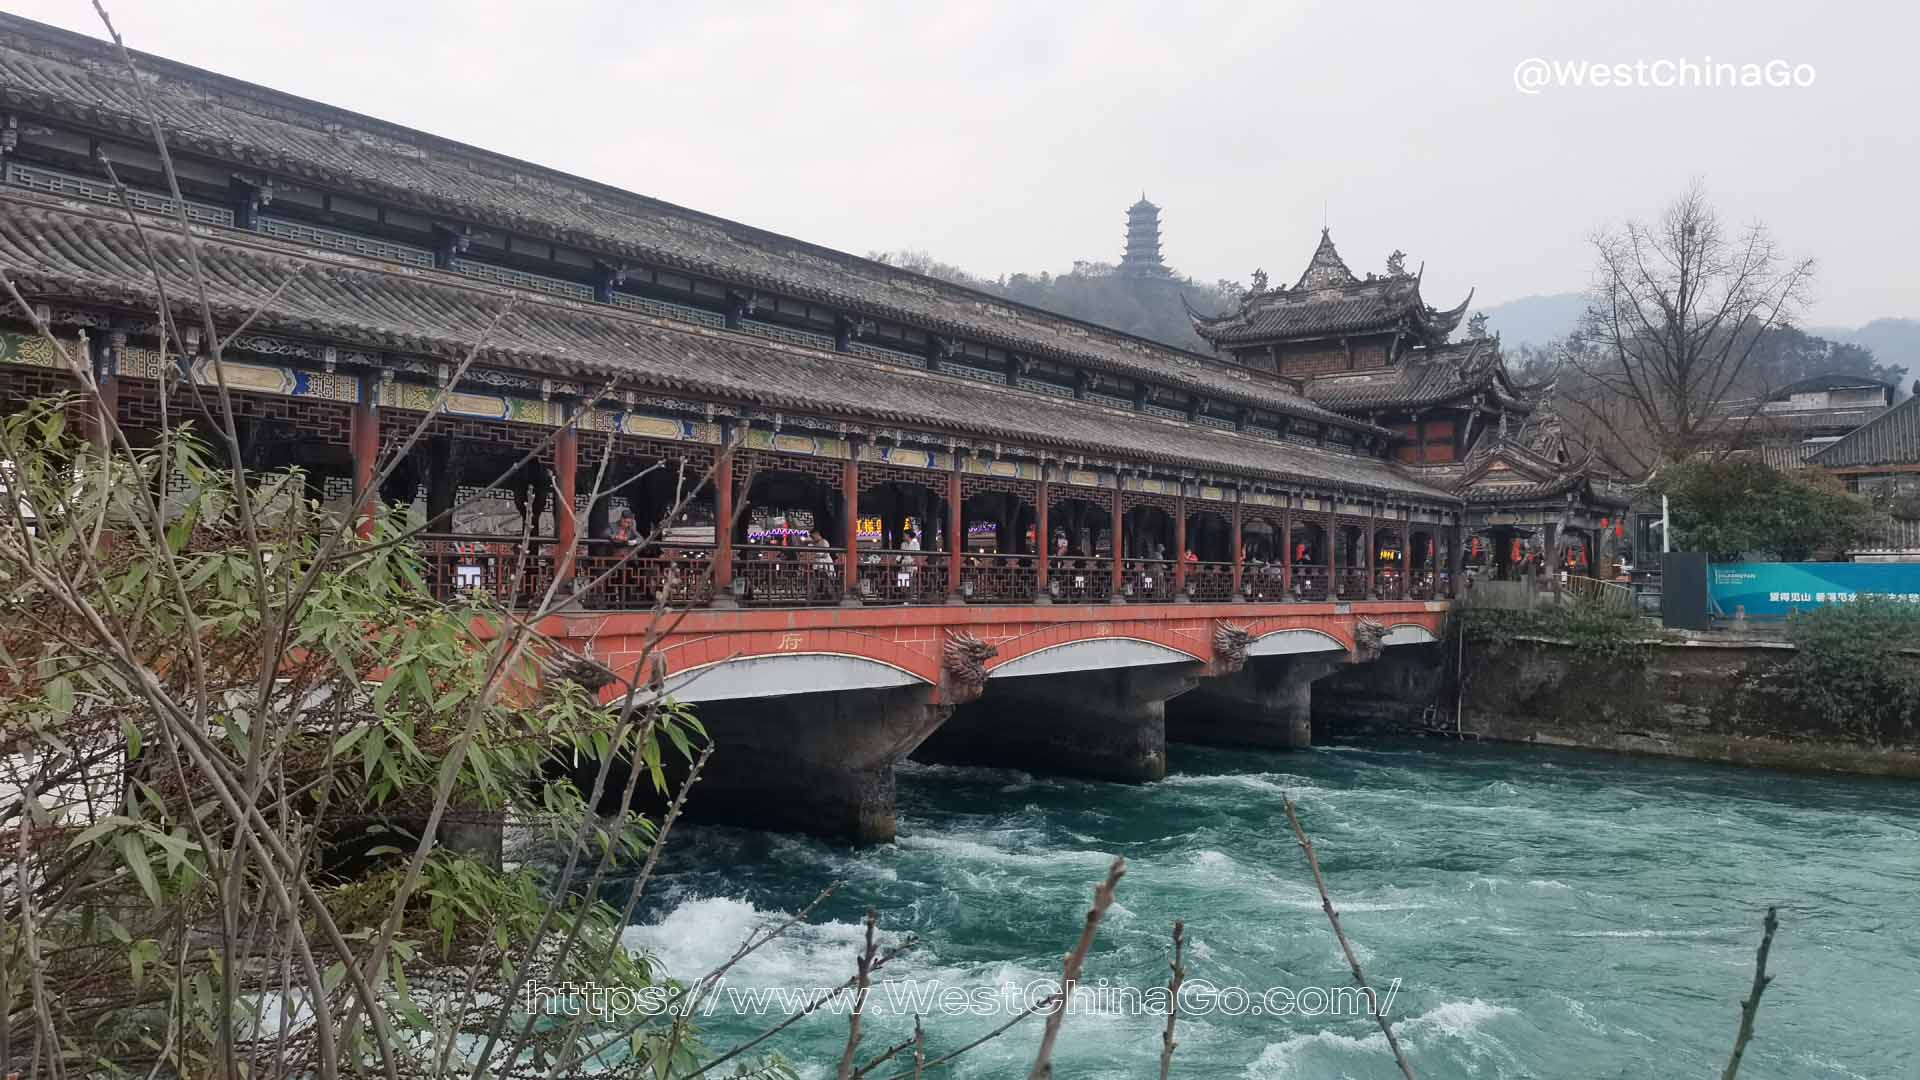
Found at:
(723, 526)
(1456, 555)
(850, 525)
(1406, 554)
(1180, 544)
(566, 474)
(1373, 548)
(1239, 548)
(956, 531)
(363, 438)
(1044, 534)
(1286, 549)
(1117, 545)
(1333, 548)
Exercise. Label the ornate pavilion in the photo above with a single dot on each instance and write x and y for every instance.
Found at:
(1373, 350)
(798, 391)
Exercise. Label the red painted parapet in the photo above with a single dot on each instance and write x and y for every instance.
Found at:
(952, 649)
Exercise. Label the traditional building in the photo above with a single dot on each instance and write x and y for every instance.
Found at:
(368, 280)
(1789, 426)
(1372, 349)
(1142, 257)
(1881, 460)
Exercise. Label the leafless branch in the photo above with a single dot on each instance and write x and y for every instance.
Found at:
(1751, 1006)
(1353, 962)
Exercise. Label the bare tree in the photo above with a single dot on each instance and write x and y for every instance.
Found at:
(1675, 312)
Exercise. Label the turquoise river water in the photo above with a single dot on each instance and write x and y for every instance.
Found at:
(1547, 914)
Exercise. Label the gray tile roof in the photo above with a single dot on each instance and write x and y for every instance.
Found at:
(91, 255)
(1329, 300)
(1423, 377)
(1892, 438)
(52, 72)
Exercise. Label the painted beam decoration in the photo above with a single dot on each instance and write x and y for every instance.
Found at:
(908, 457)
(1015, 470)
(247, 376)
(31, 350)
(788, 442)
(641, 425)
(1081, 477)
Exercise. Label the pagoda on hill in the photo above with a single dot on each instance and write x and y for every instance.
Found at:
(1371, 348)
(1142, 257)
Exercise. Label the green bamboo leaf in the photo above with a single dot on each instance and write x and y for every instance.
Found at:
(60, 698)
(97, 830)
(133, 849)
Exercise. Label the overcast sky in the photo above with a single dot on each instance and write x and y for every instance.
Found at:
(1011, 135)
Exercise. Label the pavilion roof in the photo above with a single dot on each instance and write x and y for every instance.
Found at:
(67, 252)
(260, 131)
(1328, 300)
(1424, 376)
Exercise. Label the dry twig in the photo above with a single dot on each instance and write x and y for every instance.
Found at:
(1751, 1006)
(1326, 905)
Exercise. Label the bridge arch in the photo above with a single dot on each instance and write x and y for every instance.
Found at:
(1295, 640)
(1408, 634)
(782, 673)
(1092, 654)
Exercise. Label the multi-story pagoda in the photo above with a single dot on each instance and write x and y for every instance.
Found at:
(1371, 348)
(1142, 257)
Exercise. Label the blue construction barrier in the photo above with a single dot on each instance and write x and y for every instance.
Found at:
(1776, 590)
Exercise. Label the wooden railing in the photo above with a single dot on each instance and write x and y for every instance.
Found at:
(1078, 579)
(788, 576)
(1000, 579)
(1312, 583)
(903, 577)
(612, 576)
(1353, 584)
(1147, 581)
(1210, 582)
(631, 580)
(1262, 582)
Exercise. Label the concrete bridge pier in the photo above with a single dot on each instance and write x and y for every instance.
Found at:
(1387, 696)
(818, 763)
(1105, 724)
(1266, 704)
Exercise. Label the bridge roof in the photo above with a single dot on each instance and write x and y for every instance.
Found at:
(94, 255)
(57, 73)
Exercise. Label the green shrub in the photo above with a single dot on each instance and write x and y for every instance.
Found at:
(1597, 630)
(1858, 666)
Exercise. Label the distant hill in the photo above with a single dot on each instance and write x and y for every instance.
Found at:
(1895, 342)
(1150, 307)
(1535, 320)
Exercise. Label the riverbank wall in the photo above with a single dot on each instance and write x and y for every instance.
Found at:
(1706, 697)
